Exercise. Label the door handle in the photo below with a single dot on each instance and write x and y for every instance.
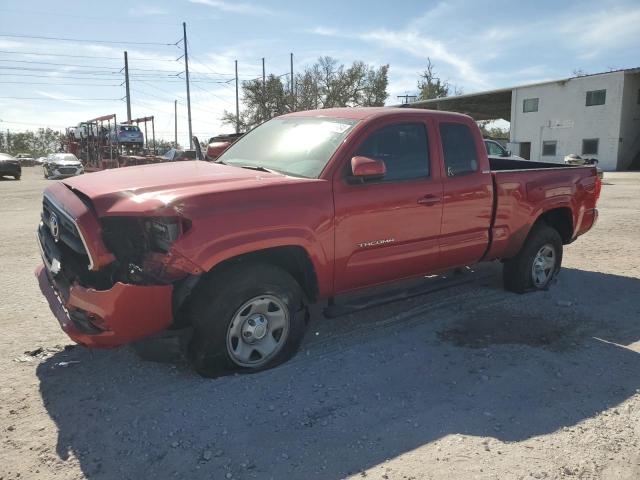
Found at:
(429, 200)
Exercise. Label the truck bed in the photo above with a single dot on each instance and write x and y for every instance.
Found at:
(524, 189)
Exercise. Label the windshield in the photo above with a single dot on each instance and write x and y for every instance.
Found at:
(298, 146)
(69, 157)
(129, 128)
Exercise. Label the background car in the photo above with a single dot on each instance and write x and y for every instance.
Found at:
(218, 144)
(496, 150)
(81, 131)
(175, 155)
(62, 165)
(129, 134)
(10, 166)
(26, 159)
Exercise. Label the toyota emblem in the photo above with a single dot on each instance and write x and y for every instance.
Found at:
(54, 226)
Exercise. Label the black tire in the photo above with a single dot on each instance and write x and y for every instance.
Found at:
(217, 302)
(517, 272)
(16, 177)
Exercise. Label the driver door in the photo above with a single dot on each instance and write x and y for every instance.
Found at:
(388, 228)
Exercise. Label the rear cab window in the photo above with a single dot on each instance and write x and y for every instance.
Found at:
(403, 148)
(459, 149)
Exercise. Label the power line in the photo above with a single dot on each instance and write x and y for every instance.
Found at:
(65, 84)
(196, 107)
(102, 76)
(61, 39)
(89, 66)
(63, 99)
(138, 59)
(33, 124)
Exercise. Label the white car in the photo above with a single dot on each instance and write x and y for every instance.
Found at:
(62, 165)
(495, 150)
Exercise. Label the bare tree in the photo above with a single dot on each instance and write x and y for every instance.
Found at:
(431, 86)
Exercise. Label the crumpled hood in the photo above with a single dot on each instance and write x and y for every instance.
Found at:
(164, 188)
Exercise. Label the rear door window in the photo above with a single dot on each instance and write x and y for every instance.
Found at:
(459, 149)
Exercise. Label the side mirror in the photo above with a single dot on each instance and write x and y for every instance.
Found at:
(507, 153)
(365, 167)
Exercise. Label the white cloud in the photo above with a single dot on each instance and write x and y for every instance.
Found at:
(235, 7)
(142, 10)
(594, 32)
(414, 43)
(327, 32)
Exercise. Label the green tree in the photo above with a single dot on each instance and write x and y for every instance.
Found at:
(325, 84)
(431, 86)
(39, 143)
(494, 132)
(161, 145)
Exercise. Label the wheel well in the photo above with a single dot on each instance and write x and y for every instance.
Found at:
(291, 258)
(560, 219)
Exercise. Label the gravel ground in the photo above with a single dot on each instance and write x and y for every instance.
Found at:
(470, 382)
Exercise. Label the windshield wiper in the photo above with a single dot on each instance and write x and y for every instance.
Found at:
(259, 168)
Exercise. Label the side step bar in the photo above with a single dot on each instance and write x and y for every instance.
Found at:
(430, 285)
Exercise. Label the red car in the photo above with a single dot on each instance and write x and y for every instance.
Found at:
(217, 145)
(308, 206)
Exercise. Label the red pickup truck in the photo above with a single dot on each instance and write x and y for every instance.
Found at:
(308, 206)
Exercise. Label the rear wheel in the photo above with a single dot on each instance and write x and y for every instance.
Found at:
(16, 177)
(537, 263)
(247, 318)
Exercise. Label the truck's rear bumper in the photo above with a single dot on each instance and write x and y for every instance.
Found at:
(108, 318)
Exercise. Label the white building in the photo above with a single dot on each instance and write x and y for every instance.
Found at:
(594, 116)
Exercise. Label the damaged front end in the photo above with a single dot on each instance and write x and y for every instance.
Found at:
(112, 280)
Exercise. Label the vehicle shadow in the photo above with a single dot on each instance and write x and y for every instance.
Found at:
(350, 401)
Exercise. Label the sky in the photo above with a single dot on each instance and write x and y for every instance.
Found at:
(74, 73)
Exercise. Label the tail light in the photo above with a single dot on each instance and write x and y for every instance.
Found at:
(598, 187)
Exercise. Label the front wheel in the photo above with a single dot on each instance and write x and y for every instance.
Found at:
(537, 263)
(247, 318)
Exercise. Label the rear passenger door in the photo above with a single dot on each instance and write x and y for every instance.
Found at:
(467, 195)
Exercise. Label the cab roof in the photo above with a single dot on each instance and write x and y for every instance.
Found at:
(361, 113)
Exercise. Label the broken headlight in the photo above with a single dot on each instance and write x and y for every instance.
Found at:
(163, 231)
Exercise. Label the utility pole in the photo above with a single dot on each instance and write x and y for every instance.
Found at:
(264, 92)
(293, 97)
(175, 124)
(237, 102)
(126, 86)
(186, 70)
(406, 98)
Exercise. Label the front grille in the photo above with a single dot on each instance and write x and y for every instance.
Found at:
(68, 234)
(67, 170)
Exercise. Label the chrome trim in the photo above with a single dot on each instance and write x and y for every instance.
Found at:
(84, 242)
(54, 267)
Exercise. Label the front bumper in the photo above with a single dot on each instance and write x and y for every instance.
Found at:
(100, 318)
(55, 173)
(108, 318)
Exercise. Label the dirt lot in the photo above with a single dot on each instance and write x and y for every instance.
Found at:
(470, 382)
